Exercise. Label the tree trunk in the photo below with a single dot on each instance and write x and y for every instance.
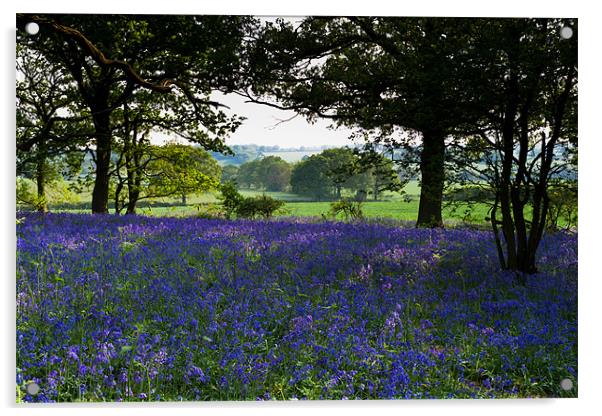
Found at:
(100, 192)
(118, 206)
(503, 188)
(433, 177)
(131, 207)
(42, 206)
(134, 180)
(376, 189)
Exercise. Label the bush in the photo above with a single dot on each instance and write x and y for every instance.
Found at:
(259, 206)
(209, 211)
(230, 198)
(233, 203)
(351, 210)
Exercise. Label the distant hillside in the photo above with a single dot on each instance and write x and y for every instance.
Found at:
(248, 152)
(293, 156)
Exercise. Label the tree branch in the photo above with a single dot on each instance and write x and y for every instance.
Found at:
(163, 86)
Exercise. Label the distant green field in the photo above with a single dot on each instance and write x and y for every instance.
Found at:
(283, 196)
(399, 210)
(391, 206)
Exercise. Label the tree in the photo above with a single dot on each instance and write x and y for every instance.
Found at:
(134, 122)
(270, 173)
(229, 173)
(248, 175)
(341, 170)
(308, 177)
(178, 169)
(165, 171)
(194, 54)
(44, 120)
(562, 204)
(381, 171)
(529, 134)
(326, 174)
(375, 73)
(541, 84)
(276, 173)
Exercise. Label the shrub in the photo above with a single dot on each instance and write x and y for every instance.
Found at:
(209, 211)
(233, 203)
(259, 206)
(230, 198)
(351, 210)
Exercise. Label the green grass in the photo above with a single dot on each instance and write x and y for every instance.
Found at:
(283, 196)
(399, 210)
(391, 206)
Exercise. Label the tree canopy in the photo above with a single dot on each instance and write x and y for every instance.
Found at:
(110, 57)
(376, 73)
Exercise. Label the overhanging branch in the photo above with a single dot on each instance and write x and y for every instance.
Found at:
(162, 86)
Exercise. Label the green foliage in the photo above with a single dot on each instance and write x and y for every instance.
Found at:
(230, 198)
(234, 203)
(276, 173)
(177, 169)
(27, 197)
(261, 206)
(380, 171)
(308, 177)
(562, 205)
(326, 174)
(57, 193)
(270, 173)
(229, 173)
(470, 193)
(351, 210)
(248, 175)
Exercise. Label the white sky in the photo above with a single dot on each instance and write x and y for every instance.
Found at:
(263, 126)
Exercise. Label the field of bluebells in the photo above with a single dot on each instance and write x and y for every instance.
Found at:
(143, 309)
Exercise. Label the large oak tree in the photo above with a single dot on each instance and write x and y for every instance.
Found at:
(375, 73)
(112, 56)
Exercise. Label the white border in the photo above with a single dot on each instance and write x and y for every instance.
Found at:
(589, 177)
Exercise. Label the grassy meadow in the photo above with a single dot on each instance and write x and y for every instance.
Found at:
(391, 205)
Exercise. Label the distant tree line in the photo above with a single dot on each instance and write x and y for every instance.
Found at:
(322, 176)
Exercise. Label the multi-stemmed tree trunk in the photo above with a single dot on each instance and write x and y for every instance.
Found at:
(535, 92)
